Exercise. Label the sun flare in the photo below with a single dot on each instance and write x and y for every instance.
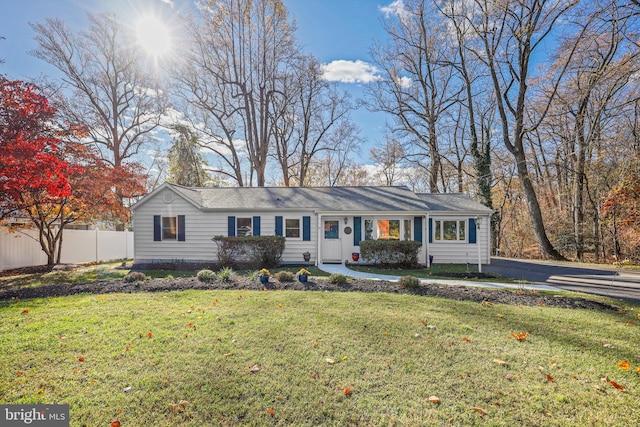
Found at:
(153, 36)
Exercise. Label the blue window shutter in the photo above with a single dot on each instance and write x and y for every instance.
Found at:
(430, 230)
(472, 230)
(256, 225)
(157, 228)
(231, 226)
(279, 226)
(417, 228)
(357, 230)
(181, 224)
(306, 228)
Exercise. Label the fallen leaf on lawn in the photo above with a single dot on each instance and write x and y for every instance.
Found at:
(486, 304)
(20, 373)
(480, 410)
(314, 376)
(271, 411)
(126, 389)
(431, 327)
(149, 335)
(115, 423)
(616, 385)
(254, 368)
(41, 390)
(347, 392)
(550, 378)
(80, 359)
(499, 362)
(314, 343)
(434, 399)
(638, 370)
(330, 361)
(608, 346)
(623, 364)
(630, 322)
(416, 335)
(522, 336)
(25, 312)
(228, 354)
(500, 316)
(553, 363)
(541, 304)
(423, 321)
(465, 339)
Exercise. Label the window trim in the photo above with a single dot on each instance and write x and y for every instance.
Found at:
(438, 226)
(249, 232)
(372, 233)
(285, 228)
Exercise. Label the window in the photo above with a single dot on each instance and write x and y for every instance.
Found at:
(243, 225)
(450, 230)
(389, 229)
(292, 228)
(169, 228)
(368, 229)
(407, 229)
(331, 229)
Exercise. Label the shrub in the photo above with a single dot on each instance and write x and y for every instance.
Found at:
(409, 282)
(226, 273)
(250, 251)
(401, 253)
(285, 276)
(206, 276)
(338, 279)
(135, 276)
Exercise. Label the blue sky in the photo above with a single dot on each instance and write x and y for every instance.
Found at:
(338, 32)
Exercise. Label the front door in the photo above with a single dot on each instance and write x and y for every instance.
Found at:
(331, 241)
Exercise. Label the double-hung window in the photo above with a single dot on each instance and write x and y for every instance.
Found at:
(244, 226)
(169, 228)
(292, 228)
(450, 230)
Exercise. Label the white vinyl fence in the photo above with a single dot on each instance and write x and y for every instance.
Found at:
(22, 249)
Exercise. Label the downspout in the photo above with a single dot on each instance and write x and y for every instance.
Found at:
(318, 239)
(425, 237)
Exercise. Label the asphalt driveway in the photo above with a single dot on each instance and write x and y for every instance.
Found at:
(605, 281)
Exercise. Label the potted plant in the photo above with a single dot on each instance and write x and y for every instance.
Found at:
(303, 275)
(264, 276)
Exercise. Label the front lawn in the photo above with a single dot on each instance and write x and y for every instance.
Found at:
(318, 358)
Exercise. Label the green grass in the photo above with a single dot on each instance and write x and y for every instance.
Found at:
(83, 274)
(145, 353)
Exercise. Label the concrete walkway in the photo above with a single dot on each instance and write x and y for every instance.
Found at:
(341, 269)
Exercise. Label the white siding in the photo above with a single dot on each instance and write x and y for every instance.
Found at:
(461, 252)
(201, 227)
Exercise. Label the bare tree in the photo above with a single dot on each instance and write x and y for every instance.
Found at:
(112, 95)
(389, 158)
(308, 110)
(511, 31)
(418, 84)
(241, 51)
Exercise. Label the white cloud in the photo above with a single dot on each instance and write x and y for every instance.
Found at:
(395, 8)
(350, 72)
(168, 2)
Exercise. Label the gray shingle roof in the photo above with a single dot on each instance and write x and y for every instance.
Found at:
(319, 198)
(324, 199)
(452, 202)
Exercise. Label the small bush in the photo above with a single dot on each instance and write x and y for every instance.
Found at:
(135, 276)
(409, 282)
(226, 273)
(206, 276)
(285, 276)
(401, 253)
(338, 279)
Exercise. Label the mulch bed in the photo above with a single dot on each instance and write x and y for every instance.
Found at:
(460, 293)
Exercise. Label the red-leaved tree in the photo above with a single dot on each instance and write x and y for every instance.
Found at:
(51, 178)
(28, 147)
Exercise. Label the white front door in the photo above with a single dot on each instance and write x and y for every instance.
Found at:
(331, 240)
